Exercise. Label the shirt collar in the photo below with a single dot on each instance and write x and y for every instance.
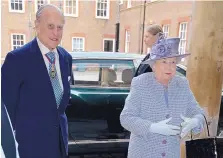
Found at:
(44, 50)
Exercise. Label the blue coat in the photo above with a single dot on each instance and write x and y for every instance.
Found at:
(28, 95)
(146, 104)
(143, 68)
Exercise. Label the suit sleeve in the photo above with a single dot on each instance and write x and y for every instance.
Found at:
(194, 110)
(130, 116)
(11, 83)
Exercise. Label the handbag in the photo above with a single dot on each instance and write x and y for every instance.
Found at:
(210, 147)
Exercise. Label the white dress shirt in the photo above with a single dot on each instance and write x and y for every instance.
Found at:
(2, 153)
(44, 50)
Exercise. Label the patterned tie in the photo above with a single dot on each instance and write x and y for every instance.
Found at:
(54, 78)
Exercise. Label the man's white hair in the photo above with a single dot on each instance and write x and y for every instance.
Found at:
(40, 10)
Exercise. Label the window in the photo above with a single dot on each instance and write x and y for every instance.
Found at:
(103, 73)
(120, 2)
(166, 29)
(102, 9)
(17, 40)
(129, 4)
(17, 6)
(183, 37)
(127, 41)
(78, 44)
(39, 3)
(108, 45)
(71, 8)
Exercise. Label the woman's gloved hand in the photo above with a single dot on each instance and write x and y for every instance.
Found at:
(165, 129)
(188, 125)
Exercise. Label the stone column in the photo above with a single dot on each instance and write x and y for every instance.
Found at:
(205, 64)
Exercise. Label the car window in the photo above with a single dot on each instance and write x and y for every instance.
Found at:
(103, 72)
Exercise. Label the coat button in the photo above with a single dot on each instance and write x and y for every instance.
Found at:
(164, 141)
(167, 116)
(163, 154)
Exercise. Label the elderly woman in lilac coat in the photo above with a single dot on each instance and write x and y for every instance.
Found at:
(160, 108)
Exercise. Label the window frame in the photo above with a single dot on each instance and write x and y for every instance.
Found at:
(107, 10)
(77, 9)
(166, 33)
(185, 35)
(109, 39)
(16, 11)
(129, 3)
(24, 39)
(83, 38)
(36, 4)
(127, 43)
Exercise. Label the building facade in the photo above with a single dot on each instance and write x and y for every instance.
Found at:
(173, 16)
(91, 25)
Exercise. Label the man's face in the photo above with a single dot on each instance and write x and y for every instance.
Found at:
(49, 27)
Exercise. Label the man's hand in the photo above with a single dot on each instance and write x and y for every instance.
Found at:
(164, 129)
(188, 125)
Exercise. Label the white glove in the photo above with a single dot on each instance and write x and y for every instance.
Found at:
(164, 129)
(188, 125)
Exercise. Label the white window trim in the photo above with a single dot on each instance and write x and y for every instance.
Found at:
(185, 36)
(108, 11)
(168, 26)
(126, 41)
(24, 37)
(109, 39)
(129, 3)
(48, 2)
(120, 2)
(83, 42)
(71, 15)
(17, 11)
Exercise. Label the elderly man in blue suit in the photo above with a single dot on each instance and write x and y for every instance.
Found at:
(36, 90)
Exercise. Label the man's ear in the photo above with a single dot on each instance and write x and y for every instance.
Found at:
(36, 24)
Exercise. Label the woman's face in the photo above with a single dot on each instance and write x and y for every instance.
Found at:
(165, 69)
(149, 39)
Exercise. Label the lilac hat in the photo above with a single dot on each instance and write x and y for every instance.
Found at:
(165, 48)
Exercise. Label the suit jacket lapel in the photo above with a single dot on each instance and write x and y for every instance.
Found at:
(64, 73)
(39, 61)
(62, 65)
(41, 68)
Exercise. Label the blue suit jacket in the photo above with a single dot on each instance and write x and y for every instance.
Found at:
(29, 98)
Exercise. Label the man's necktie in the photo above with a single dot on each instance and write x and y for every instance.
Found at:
(54, 78)
(8, 141)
